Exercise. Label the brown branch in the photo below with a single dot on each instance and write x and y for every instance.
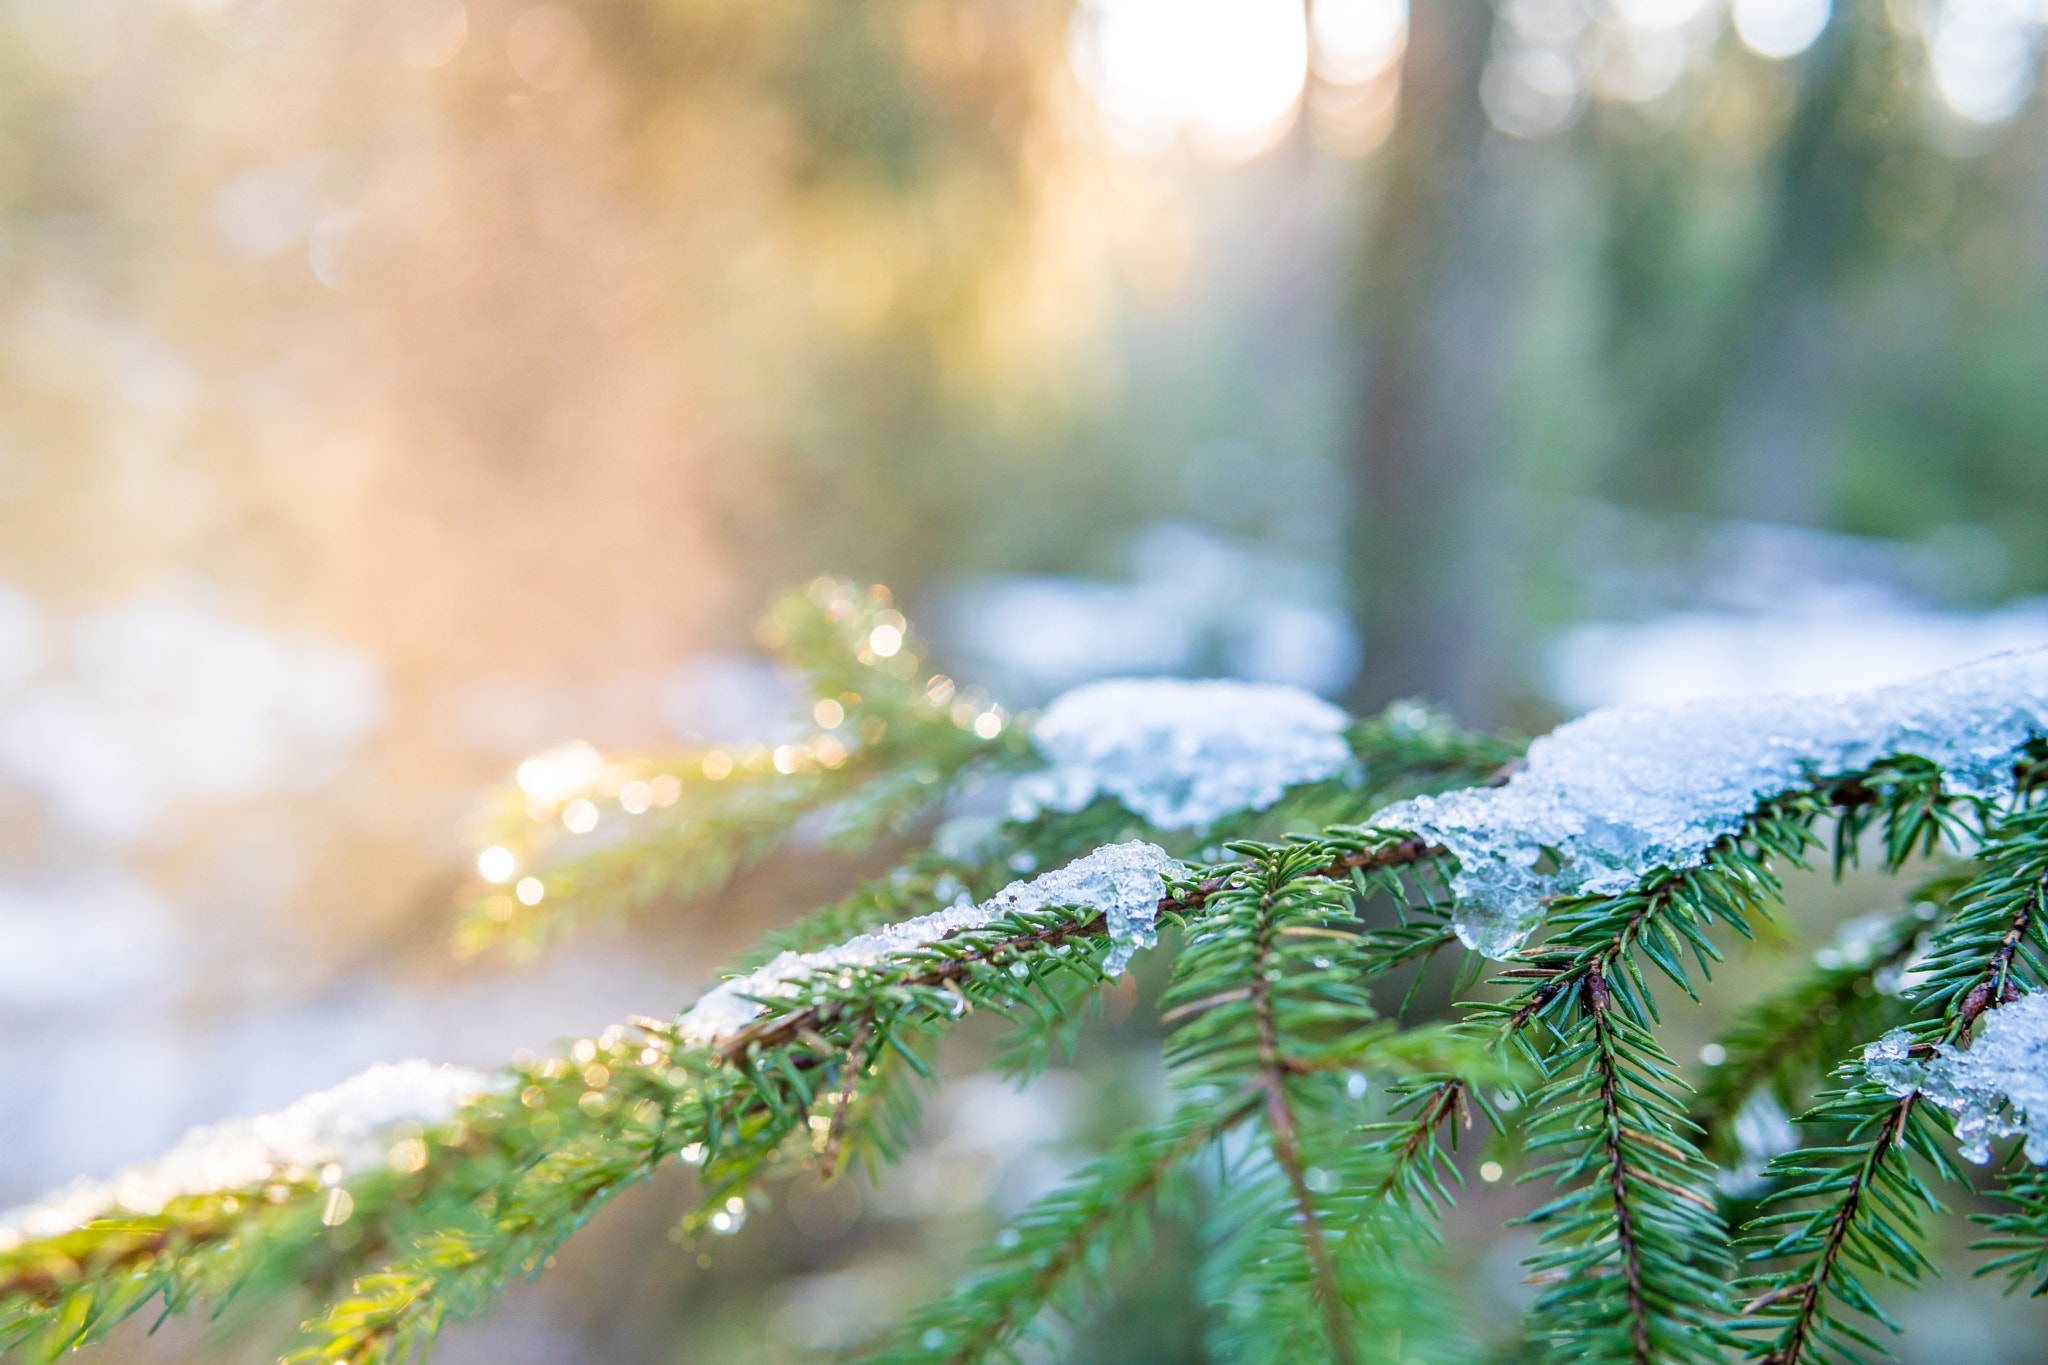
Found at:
(1401, 853)
(1996, 986)
(781, 1028)
(849, 1081)
(1591, 970)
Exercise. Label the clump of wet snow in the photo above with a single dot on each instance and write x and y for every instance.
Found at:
(1180, 753)
(1618, 793)
(1124, 881)
(1996, 1088)
(341, 1132)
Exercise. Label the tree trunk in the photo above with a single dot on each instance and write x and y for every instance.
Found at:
(1426, 454)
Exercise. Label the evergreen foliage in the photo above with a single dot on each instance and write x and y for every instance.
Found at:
(1311, 1134)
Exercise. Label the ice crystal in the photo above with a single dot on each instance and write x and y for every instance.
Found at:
(1618, 793)
(1124, 881)
(1181, 753)
(1996, 1088)
(342, 1131)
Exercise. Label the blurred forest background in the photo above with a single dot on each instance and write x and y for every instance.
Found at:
(391, 389)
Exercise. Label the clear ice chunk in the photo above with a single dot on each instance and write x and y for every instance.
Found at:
(1618, 793)
(348, 1126)
(1123, 881)
(1181, 753)
(1996, 1088)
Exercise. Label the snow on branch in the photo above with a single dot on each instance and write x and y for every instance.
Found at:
(1619, 793)
(1124, 881)
(1996, 1087)
(331, 1135)
(1180, 753)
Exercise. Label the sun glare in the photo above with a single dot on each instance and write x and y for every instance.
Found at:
(1225, 74)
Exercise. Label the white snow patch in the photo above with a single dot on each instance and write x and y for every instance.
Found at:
(1619, 793)
(1124, 881)
(348, 1126)
(1810, 640)
(1996, 1088)
(154, 703)
(1180, 753)
(1271, 609)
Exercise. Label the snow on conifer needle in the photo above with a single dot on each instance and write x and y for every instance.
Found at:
(1997, 1087)
(1180, 753)
(349, 1126)
(1619, 793)
(1123, 881)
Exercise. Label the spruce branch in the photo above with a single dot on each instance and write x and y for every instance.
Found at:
(1327, 1195)
(896, 742)
(1086, 1226)
(1785, 1041)
(1637, 1253)
(1634, 1246)
(1417, 1161)
(1987, 951)
(2019, 1237)
(1268, 995)
(1871, 1219)
(1280, 1123)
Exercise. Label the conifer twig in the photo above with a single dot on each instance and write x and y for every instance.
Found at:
(1972, 964)
(1287, 1143)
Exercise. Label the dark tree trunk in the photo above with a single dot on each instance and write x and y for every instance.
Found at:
(1424, 555)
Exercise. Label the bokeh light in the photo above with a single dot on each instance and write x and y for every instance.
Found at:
(1224, 73)
(1984, 55)
(1780, 28)
(1357, 40)
(496, 863)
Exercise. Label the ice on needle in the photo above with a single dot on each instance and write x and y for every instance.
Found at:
(1619, 793)
(1124, 881)
(348, 1126)
(1996, 1088)
(1181, 753)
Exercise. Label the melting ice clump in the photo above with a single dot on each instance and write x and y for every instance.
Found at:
(1618, 793)
(348, 1126)
(1997, 1088)
(1180, 753)
(1124, 881)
